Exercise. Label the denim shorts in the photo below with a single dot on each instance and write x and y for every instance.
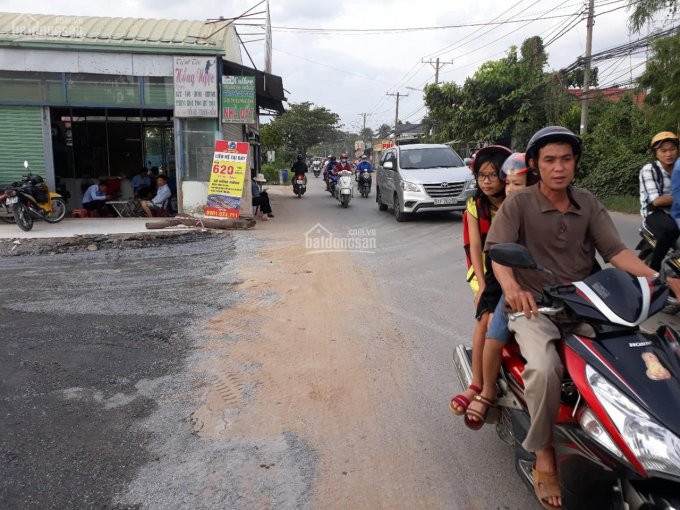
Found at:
(498, 327)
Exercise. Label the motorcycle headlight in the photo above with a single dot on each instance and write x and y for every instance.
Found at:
(410, 186)
(470, 185)
(656, 447)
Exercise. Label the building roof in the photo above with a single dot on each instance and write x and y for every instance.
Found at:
(135, 35)
(407, 128)
(612, 94)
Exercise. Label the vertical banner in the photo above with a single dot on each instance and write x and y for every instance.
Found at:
(228, 173)
(195, 81)
(238, 99)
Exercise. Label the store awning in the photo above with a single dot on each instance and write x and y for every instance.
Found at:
(268, 87)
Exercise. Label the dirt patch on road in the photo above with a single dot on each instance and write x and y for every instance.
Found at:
(314, 354)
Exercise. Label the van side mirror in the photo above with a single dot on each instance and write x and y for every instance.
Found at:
(512, 255)
(388, 165)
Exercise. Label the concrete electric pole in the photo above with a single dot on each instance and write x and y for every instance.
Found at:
(437, 66)
(586, 68)
(396, 114)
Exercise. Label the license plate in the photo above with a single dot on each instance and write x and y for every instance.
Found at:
(12, 200)
(345, 192)
(301, 182)
(445, 201)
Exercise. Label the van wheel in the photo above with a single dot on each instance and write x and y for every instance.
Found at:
(398, 214)
(378, 198)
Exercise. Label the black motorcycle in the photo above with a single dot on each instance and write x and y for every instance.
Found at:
(646, 247)
(617, 437)
(30, 198)
(364, 182)
(299, 185)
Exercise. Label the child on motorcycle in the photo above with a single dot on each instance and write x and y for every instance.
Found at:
(515, 174)
(476, 223)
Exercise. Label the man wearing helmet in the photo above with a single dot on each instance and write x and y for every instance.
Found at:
(329, 168)
(299, 167)
(562, 227)
(343, 165)
(656, 196)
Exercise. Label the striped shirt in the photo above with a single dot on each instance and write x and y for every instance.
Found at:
(651, 187)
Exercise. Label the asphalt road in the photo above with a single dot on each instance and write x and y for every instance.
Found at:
(100, 382)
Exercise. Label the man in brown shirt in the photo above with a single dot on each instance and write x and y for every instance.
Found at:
(562, 227)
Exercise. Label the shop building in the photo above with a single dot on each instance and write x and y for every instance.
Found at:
(88, 98)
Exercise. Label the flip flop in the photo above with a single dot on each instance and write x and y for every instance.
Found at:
(481, 417)
(462, 401)
(546, 485)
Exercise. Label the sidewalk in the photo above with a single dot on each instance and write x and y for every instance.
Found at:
(70, 227)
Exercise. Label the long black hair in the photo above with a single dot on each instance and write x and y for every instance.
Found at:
(496, 160)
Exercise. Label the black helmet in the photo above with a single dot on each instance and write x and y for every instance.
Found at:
(552, 134)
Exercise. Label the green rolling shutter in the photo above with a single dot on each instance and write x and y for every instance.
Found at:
(21, 138)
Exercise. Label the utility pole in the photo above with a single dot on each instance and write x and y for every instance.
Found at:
(396, 115)
(364, 116)
(586, 69)
(437, 66)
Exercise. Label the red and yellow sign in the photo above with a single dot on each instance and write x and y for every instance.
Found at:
(228, 173)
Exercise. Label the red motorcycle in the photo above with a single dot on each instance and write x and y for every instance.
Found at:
(617, 438)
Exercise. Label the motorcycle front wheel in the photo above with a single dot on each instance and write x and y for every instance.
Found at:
(58, 211)
(22, 217)
(345, 201)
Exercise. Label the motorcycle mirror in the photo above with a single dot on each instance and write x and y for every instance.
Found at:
(512, 255)
(25, 164)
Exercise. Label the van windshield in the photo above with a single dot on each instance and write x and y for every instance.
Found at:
(433, 157)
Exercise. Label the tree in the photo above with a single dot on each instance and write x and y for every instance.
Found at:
(271, 137)
(576, 77)
(304, 125)
(661, 80)
(384, 131)
(644, 11)
(367, 134)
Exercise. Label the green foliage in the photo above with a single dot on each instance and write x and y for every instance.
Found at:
(662, 79)
(616, 148)
(302, 126)
(507, 98)
(384, 131)
(367, 134)
(644, 10)
(622, 203)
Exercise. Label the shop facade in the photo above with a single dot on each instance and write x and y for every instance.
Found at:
(85, 99)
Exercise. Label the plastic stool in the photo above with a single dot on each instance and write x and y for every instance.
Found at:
(79, 213)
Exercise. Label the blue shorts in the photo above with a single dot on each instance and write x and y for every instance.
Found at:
(498, 327)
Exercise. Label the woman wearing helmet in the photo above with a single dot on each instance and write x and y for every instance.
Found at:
(655, 195)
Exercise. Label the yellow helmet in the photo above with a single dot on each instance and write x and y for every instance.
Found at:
(664, 136)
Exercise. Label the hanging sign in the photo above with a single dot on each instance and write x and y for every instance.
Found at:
(195, 81)
(238, 99)
(225, 190)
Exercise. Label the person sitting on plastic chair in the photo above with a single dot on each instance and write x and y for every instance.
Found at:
(159, 201)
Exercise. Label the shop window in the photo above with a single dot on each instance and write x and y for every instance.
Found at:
(199, 146)
(158, 91)
(31, 87)
(103, 89)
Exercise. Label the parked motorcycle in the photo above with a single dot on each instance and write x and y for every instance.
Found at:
(617, 438)
(31, 198)
(645, 248)
(299, 185)
(364, 181)
(343, 188)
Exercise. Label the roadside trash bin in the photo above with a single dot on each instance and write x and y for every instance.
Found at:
(283, 176)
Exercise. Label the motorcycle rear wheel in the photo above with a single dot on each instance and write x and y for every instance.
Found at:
(345, 201)
(58, 211)
(22, 217)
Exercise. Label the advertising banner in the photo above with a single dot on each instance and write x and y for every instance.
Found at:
(195, 81)
(238, 99)
(225, 190)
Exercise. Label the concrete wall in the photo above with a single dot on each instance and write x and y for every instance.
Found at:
(194, 196)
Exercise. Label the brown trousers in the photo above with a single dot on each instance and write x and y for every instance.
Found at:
(542, 374)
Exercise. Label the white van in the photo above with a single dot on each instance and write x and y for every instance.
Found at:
(422, 177)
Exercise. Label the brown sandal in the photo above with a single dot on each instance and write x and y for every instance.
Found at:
(546, 485)
(481, 417)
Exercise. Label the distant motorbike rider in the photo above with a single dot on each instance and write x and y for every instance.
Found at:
(343, 165)
(299, 167)
(655, 195)
(364, 165)
(329, 168)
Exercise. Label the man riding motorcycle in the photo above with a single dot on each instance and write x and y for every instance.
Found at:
(656, 196)
(562, 227)
(299, 167)
(364, 165)
(343, 165)
(329, 168)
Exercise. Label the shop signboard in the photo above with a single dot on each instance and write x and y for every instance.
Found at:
(195, 81)
(238, 99)
(225, 190)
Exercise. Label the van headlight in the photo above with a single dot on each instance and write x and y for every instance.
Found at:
(656, 447)
(470, 185)
(410, 186)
